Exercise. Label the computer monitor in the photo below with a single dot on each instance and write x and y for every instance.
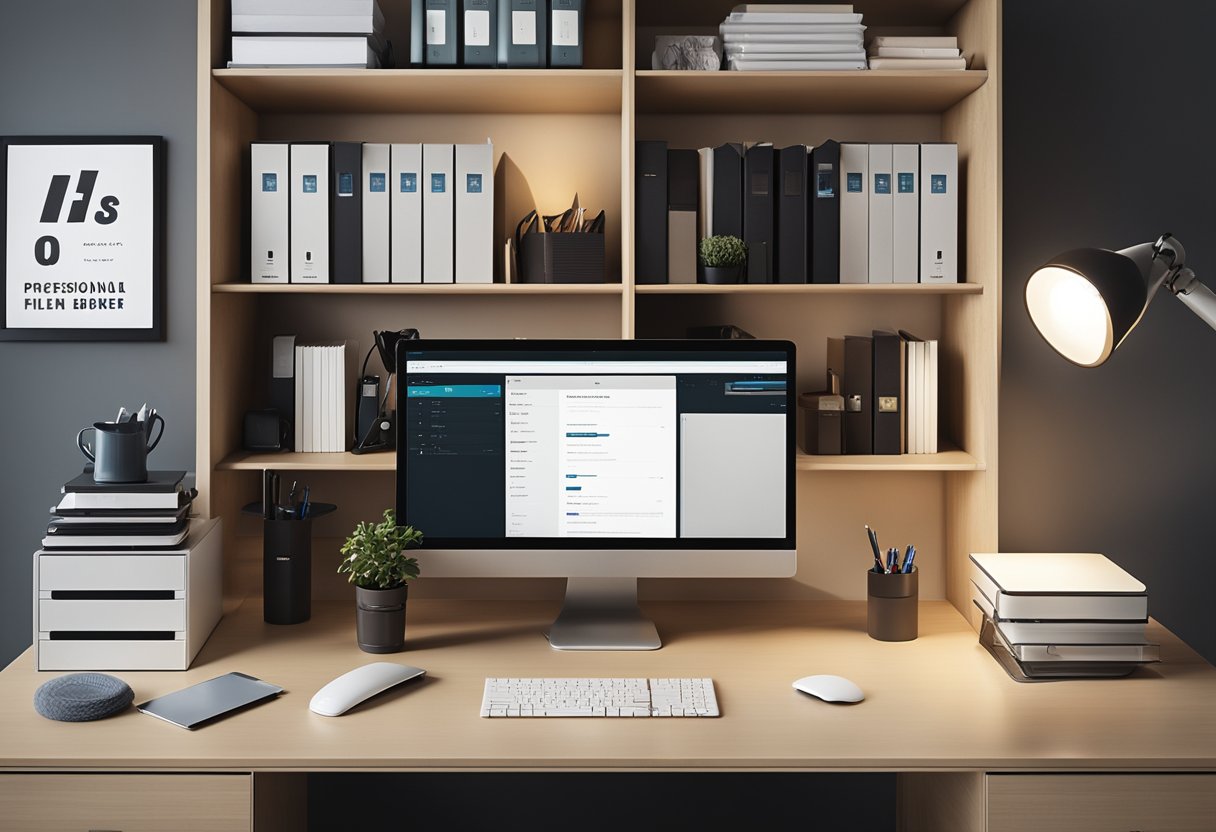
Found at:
(601, 462)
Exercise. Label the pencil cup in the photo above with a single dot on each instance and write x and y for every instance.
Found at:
(891, 605)
(287, 570)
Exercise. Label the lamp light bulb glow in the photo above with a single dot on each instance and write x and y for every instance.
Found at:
(1071, 315)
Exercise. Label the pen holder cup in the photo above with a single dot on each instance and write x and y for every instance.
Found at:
(572, 257)
(287, 570)
(891, 605)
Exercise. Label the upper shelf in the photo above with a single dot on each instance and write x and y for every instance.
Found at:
(425, 90)
(496, 289)
(811, 289)
(856, 91)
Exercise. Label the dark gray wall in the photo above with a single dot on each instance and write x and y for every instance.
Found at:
(79, 67)
(1108, 142)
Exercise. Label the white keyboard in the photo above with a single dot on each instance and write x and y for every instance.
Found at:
(599, 697)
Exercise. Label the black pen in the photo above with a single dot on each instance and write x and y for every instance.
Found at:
(874, 545)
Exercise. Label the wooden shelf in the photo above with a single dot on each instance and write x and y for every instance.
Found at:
(291, 461)
(577, 91)
(856, 91)
(948, 459)
(812, 289)
(499, 289)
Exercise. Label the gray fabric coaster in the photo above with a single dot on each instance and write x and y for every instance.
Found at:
(81, 697)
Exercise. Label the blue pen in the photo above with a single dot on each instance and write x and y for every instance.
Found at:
(304, 503)
(909, 558)
(892, 557)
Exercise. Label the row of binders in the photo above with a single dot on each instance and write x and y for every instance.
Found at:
(349, 212)
(324, 377)
(833, 213)
(1062, 614)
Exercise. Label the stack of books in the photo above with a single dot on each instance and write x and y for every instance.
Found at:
(916, 52)
(783, 37)
(108, 517)
(308, 33)
(1061, 614)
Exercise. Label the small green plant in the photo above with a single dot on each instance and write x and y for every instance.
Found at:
(723, 251)
(374, 555)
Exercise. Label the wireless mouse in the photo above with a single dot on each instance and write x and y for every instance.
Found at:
(830, 688)
(354, 686)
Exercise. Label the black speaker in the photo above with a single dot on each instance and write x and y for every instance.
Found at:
(287, 571)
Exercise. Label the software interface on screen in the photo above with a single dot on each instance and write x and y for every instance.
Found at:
(653, 445)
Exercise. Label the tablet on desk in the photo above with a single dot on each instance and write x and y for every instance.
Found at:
(201, 703)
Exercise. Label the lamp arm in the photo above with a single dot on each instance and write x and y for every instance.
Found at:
(1198, 297)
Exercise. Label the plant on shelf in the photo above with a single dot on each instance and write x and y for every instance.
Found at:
(722, 258)
(374, 557)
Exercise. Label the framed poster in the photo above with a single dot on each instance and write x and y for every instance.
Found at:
(82, 225)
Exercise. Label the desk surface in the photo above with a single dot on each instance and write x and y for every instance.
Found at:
(940, 702)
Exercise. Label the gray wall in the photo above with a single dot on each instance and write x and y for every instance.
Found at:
(1108, 122)
(79, 67)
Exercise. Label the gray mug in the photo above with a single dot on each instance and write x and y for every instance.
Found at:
(120, 449)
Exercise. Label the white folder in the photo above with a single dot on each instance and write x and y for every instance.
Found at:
(905, 171)
(375, 213)
(705, 216)
(438, 238)
(854, 213)
(268, 213)
(405, 214)
(881, 215)
(474, 195)
(939, 213)
(310, 213)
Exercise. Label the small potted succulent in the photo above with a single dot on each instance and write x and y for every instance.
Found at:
(374, 556)
(722, 259)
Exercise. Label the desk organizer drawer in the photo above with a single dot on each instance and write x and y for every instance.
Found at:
(1101, 802)
(127, 802)
(111, 572)
(119, 654)
(111, 615)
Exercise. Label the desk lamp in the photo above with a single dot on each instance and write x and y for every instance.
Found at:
(1084, 302)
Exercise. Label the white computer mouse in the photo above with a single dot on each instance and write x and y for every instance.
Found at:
(830, 688)
(351, 688)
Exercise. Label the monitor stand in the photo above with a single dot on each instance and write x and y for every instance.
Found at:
(602, 614)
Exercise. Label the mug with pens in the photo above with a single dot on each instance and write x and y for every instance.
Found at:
(892, 592)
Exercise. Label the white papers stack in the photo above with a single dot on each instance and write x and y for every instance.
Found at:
(924, 52)
(326, 33)
(793, 37)
(323, 385)
(921, 394)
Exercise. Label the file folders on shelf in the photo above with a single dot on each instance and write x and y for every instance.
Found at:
(474, 199)
(728, 190)
(939, 213)
(268, 214)
(905, 212)
(858, 388)
(650, 216)
(346, 212)
(566, 33)
(854, 214)
(523, 33)
(682, 181)
(825, 213)
(441, 38)
(881, 215)
(479, 40)
(438, 239)
(375, 213)
(705, 193)
(890, 371)
(792, 226)
(310, 213)
(758, 210)
(405, 215)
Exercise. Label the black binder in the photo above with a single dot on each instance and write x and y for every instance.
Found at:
(888, 403)
(650, 213)
(528, 47)
(566, 32)
(417, 32)
(792, 230)
(824, 207)
(758, 211)
(857, 387)
(486, 52)
(728, 190)
(345, 212)
(442, 54)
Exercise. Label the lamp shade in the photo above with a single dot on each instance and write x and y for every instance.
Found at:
(1085, 301)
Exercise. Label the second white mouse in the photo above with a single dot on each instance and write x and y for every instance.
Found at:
(830, 688)
(351, 688)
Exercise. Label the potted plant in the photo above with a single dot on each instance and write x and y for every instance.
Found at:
(722, 258)
(374, 557)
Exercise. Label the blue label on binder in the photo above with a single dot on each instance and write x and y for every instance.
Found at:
(270, 183)
(439, 183)
(472, 183)
(882, 183)
(376, 182)
(346, 184)
(907, 183)
(823, 186)
(409, 183)
(853, 182)
(937, 183)
(310, 183)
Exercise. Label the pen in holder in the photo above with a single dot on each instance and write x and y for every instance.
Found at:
(891, 605)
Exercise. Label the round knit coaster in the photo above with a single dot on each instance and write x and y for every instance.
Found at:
(81, 697)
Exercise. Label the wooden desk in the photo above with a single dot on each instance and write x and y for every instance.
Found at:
(938, 710)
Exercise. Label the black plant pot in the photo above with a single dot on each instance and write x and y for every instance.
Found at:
(719, 275)
(380, 619)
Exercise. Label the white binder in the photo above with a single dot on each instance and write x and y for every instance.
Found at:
(854, 213)
(881, 214)
(375, 213)
(905, 171)
(474, 195)
(310, 213)
(939, 213)
(405, 213)
(438, 239)
(268, 244)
